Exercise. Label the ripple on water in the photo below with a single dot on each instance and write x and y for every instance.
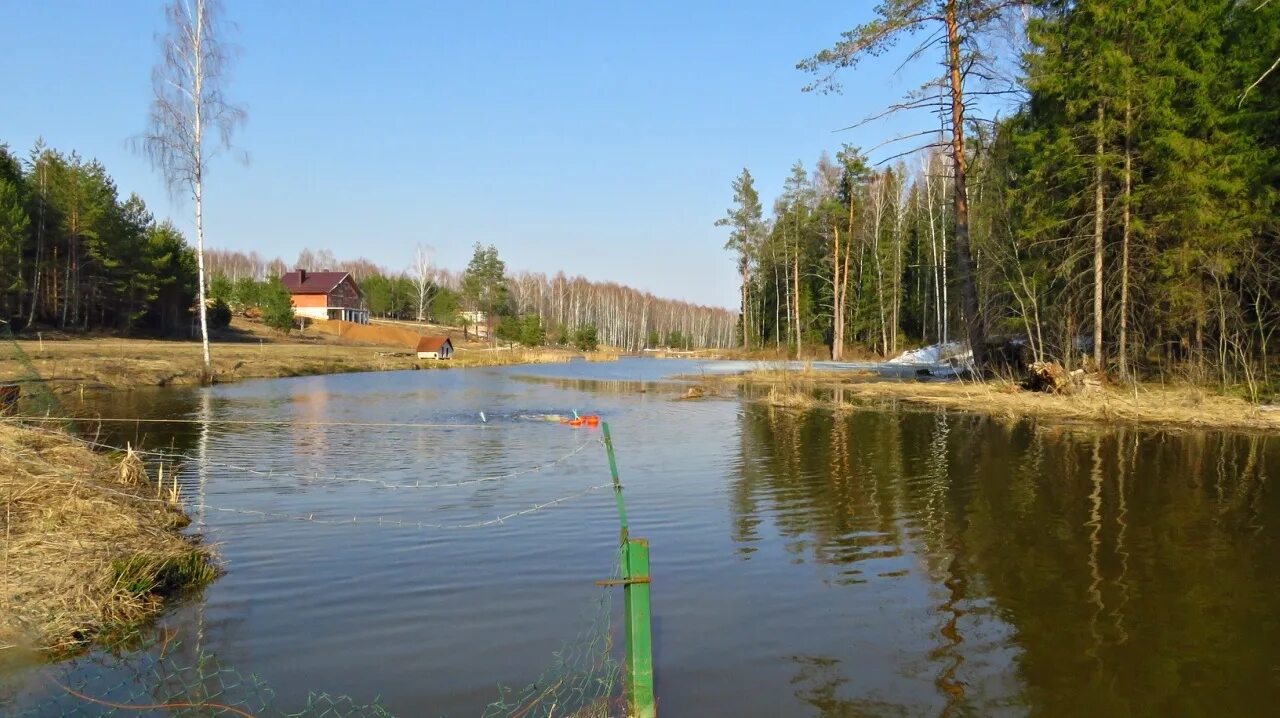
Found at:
(804, 563)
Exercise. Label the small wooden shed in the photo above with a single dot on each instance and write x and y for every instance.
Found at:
(435, 348)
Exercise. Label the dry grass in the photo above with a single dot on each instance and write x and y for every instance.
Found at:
(790, 398)
(788, 388)
(463, 358)
(94, 363)
(810, 353)
(1182, 406)
(88, 363)
(1171, 406)
(91, 545)
(793, 378)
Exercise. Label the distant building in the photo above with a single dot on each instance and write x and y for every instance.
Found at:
(326, 295)
(435, 348)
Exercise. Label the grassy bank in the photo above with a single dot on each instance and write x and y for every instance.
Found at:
(71, 363)
(91, 544)
(1147, 404)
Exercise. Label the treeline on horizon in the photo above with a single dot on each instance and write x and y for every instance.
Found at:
(1130, 195)
(528, 307)
(76, 255)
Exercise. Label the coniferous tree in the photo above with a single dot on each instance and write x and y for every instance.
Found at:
(745, 221)
(956, 28)
(277, 305)
(484, 284)
(14, 227)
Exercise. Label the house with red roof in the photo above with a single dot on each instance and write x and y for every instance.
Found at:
(326, 295)
(435, 348)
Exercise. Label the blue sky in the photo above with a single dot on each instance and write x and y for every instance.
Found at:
(596, 138)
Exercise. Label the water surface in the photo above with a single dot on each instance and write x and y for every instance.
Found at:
(820, 563)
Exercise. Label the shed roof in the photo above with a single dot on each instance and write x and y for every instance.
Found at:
(433, 344)
(306, 282)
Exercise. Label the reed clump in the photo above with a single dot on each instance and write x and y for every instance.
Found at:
(469, 358)
(789, 388)
(92, 546)
(603, 355)
(791, 398)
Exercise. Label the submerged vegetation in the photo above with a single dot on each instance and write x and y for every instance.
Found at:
(92, 544)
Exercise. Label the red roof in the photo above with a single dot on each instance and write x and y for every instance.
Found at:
(305, 282)
(433, 344)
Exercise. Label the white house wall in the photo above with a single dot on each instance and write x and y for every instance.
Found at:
(312, 312)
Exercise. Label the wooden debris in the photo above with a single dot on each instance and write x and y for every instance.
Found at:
(694, 392)
(1048, 377)
(1051, 378)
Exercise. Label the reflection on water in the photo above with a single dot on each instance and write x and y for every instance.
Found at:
(1071, 571)
(852, 563)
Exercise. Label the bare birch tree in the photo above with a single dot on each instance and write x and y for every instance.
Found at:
(877, 210)
(901, 209)
(191, 120)
(423, 276)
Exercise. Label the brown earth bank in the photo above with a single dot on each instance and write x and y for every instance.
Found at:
(68, 363)
(1175, 406)
(91, 545)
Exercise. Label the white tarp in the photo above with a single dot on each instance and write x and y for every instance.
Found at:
(938, 358)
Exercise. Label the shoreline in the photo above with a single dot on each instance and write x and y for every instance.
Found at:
(94, 547)
(1153, 405)
(104, 364)
(93, 364)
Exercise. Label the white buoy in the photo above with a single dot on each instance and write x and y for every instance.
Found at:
(482, 419)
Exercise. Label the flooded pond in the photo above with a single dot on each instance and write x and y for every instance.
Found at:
(830, 564)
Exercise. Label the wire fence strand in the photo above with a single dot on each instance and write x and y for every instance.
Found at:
(187, 459)
(583, 680)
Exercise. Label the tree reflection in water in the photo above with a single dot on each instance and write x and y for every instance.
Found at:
(1076, 570)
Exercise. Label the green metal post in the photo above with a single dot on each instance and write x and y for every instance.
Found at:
(617, 486)
(639, 613)
(639, 629)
